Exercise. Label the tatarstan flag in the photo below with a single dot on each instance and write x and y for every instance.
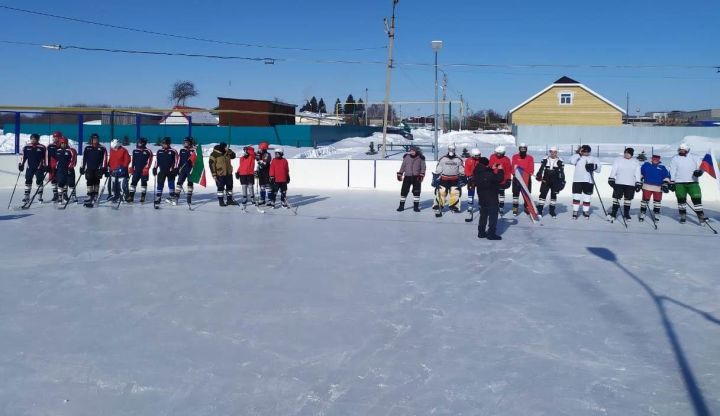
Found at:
(197, 175)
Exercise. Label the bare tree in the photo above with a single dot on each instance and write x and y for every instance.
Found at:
(181, 91)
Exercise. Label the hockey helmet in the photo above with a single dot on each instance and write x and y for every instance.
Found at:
(57, 135)
(63, 141)
(500, 149)
(585, 148)
(684, 146)
(522, 146)
(451, 146)
(115, 143)
(189, 139)
(264, 145)
(475, 152)
(553, 148)
(279, 150)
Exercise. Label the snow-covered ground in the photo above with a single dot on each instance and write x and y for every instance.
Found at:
(350, 308)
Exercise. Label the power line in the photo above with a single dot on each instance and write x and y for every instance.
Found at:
(172, 35)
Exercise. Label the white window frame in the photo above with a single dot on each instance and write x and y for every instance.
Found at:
(569, 93)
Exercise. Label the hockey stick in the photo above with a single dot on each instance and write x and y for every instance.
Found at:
(14, 188)
(40, 188)
(652, 216)
(592, 176)
(704, 220)
(97, 201)
(527, 198)
(73, 193)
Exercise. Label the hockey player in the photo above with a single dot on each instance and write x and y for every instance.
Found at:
(487, 182)
(499, 158)
(35, 155)
(142, 159)
(94, 166)
(118, 163)
(526, 165)
(625, 179)
(656, 181)
(684, 175)
(551, 176)
(165, 169)
(246, 174)
(279, 177)
(412, 172)
(221, 170)
(582, 187)
(187, 159)
(448, 175)
(470, 164)
(65, 168)
(263, 168)
(52, 149)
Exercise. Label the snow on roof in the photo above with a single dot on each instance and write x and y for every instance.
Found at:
(198, 116)
(564, 82)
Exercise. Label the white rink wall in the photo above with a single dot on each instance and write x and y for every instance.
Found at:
(368, 174)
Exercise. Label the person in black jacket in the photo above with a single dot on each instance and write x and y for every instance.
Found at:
(487, 185)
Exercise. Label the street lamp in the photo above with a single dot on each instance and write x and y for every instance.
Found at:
(436, 46)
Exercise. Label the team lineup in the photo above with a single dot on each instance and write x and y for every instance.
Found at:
(56, 163)
(490, 178)
(486, 178)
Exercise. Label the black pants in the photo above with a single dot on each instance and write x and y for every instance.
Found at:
(546, 187)
(39, 174)
(66, 177)
(488, 217)
(137, 176)
(163, 176)
(623, 191)
(224, 185)
(408, 181)
(282, 187)
(182, 176)
(516, 187)
(93, 177)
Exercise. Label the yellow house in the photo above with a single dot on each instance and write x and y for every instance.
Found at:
(568, 102)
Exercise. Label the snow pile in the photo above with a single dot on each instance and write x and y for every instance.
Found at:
(7, 141)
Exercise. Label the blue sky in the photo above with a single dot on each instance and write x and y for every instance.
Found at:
(503, 32)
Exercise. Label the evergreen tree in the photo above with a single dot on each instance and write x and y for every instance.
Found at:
(313, 104)
(360, 107)
(350, 105)
(338, 109)
(306, 106)
(321, 106)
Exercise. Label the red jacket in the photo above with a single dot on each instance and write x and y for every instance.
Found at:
(280, 170)
(247, 163)
(507, 166)
(470, 164)
(527, 165)
(119, 158)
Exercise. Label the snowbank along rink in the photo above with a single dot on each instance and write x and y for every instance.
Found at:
(351, 308)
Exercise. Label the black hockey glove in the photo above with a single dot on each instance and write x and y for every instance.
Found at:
(272, 179)
(590, 167)
(697, 173)
(611, 182)
(237, 175)
(665, 187)
(399, 176)
(21, 167)
(638, 186)
(154, 171)
(82, 170)
(672, 186)
(288, 181)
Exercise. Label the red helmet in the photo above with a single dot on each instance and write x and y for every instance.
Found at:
(57, 135)
(63, 140)
(264, 145)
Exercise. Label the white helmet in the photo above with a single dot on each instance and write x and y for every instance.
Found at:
(115, 143)
(451, 146)
(475, 152)
(279, 150)
(500, 149)
(553, 148)
(521, 145)
(684, 146)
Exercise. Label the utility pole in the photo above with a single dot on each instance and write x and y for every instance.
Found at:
(391, 38)
(442, 117)
(627, 107)
(365, 110)
(462, 111)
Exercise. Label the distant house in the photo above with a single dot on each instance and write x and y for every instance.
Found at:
(568, 102)
(245, 112)
(182, 115)
(317, 119)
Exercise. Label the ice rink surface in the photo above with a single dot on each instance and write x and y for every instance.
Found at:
(351, 308)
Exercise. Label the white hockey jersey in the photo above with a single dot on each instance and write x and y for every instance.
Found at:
(682, 168)
(581, 174)
(626, 171)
